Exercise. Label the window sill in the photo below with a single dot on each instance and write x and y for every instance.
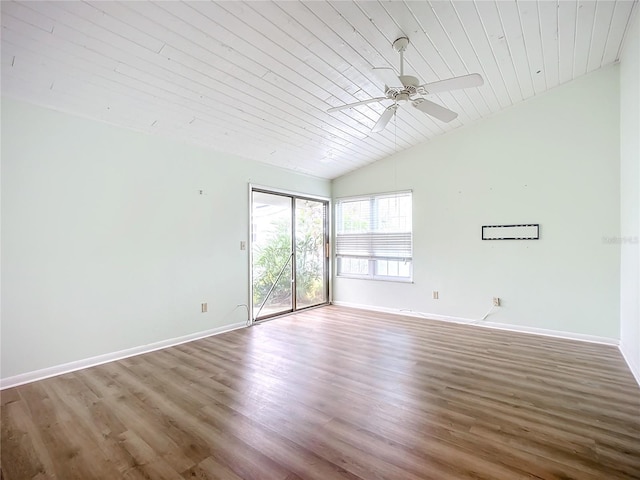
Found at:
(376, 279)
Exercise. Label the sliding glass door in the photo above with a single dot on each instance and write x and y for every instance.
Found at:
(289, 251)
(311, 252)
(272, 254)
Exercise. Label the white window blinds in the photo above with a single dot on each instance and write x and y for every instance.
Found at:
(375, 227)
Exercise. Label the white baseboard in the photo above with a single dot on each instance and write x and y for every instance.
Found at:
(498, 326)
(635, 369)
(110, 357)
(582, 337)
(408, 313)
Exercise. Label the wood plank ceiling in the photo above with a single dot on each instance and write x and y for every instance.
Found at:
(255, 78)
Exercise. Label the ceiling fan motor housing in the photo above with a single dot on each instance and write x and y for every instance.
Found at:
(410, 89)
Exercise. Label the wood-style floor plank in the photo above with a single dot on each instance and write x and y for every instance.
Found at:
(335, 393)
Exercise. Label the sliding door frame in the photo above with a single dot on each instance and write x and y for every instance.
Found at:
(328, 236)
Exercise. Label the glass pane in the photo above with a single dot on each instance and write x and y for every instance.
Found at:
(394, 213)
(271, 254)
(393, 268)
(311, 265)
(404, 269)
(353, 266)
(354, 216)
(382, 267)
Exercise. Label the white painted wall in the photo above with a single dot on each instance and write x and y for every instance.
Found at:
(107, 244)
(630, 198)
(552, 160)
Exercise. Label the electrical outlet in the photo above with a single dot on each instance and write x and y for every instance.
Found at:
(203, 307)
(435, 295)
(496, 301)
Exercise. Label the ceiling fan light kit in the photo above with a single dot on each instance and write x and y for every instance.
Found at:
(406, 89)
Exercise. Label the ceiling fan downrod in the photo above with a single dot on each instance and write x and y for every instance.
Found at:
(400, 45)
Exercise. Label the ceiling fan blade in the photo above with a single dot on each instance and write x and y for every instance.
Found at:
(384, 118)
(388, 76)
(438, 111)
(455, 83)
(351, 105)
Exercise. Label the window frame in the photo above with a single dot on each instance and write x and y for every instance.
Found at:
(374, 219)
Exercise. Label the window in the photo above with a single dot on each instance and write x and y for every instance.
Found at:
(374, 237)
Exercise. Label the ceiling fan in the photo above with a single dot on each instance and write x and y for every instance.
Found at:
(403, 89)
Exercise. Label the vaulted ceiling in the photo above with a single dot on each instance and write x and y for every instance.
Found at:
(256, 78)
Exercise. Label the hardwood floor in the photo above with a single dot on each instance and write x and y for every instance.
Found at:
(335, 393)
